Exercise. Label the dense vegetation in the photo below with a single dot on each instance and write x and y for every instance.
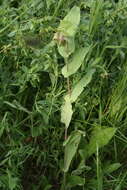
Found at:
(63, 95)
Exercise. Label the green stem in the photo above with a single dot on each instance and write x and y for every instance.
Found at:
(65, 135)
(68, 80)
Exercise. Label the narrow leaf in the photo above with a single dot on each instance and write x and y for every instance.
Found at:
(112, 167)
(75, 63)
(17, 105)
(81, 85)
(71, 148)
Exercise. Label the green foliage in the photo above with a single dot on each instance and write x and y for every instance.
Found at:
(67, 29)
(62, 75)
(100, 137)
(71, 146)
(66, 111)
(75, 63)
(75, 181)
(112, 167)
(69, 24)
(78, 88)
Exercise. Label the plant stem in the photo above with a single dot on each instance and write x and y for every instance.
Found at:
(65, 135)
(68, 80)
(68, 86)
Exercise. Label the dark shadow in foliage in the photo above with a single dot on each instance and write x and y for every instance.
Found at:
(116, 1)
(31, 174)
(15, 4)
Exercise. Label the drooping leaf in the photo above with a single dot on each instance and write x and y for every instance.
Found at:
(71, 146)
(81, 85)
(75, 63)
(100, 137)
(66, 111)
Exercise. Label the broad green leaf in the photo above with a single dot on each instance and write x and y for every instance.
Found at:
(112, 167)
(81, 85)
(69, 24)
(75, 180)
(67, 29)
(66, 111)
(71, 147)
(75, 63)
(100, 137)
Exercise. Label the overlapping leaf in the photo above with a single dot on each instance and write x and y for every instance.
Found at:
(71, 146)
(81, 85)
(75, 63)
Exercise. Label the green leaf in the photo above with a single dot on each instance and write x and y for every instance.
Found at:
(66, 111)
(75, 180)
(71, 146)
(67, 29)
(100, 137)
(17, 105)
(112, 167)
(75, 63)
(69, 24)
(81, 85)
